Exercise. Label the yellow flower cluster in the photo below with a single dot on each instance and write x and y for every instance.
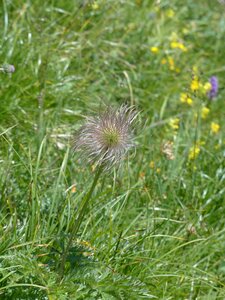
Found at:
(171, 63)
(153, 166)
(95, 5)
(206, 87)
(154, 49)
(195, 83)
(185, 30)
(184, 98)
(193, 152)
(178, 45)
(204, 112)
(174, 123)
(215, 127)
(170, 13)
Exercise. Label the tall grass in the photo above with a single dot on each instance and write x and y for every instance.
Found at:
(154, 228)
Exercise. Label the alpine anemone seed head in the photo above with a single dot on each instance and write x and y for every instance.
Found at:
(105, 139)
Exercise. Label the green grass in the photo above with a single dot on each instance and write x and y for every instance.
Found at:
(155, 227)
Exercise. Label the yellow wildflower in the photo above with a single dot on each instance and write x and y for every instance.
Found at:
(217, 146)
(158, 170)
(170, 13)
(85, 244)
(193, 152)
(207, 87)
(201, 143)
(93, 167)
(205, 111)
(189, 101)
(163, 61)
(154, 49)
(174, 123)
(171, 63)
(95, 5)
(182, 47)
(178, 45)
(184, 98)
(215, 127)
(195, 84)
(152, 164)
(174, 45)
(185, 30)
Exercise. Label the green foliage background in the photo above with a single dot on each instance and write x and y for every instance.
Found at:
(155, 228)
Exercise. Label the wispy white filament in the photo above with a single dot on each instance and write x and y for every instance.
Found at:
(91, 138)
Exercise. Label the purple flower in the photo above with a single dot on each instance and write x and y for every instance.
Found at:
(214, 87)
(6, 68)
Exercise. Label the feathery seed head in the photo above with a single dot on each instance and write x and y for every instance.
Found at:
(106, 138)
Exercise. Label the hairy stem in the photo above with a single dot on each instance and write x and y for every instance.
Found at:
(78, 221)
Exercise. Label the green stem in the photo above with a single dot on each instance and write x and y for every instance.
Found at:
(78, 221)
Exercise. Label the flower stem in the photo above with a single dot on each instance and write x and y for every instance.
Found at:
(78, 221)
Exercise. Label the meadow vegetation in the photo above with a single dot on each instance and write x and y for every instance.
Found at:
(154, 227)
